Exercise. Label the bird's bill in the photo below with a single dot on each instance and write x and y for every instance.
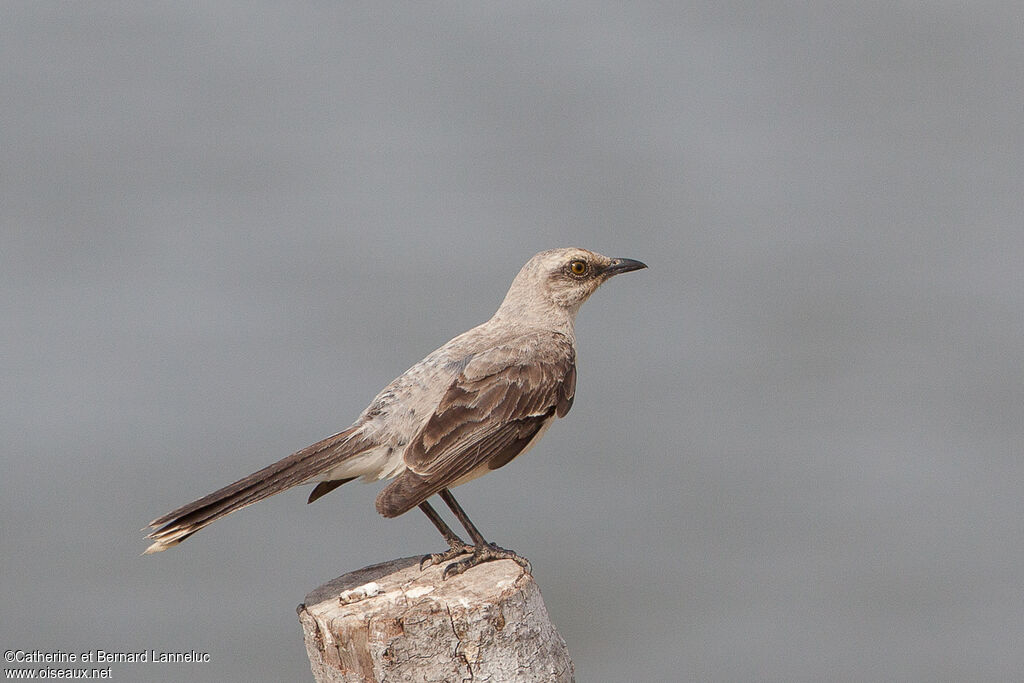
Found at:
(623, 265)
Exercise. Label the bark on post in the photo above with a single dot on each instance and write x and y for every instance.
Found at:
(392, 622)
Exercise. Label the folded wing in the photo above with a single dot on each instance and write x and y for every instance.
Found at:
(490, 413)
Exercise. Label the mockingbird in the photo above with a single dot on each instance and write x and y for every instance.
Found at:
(468, 408)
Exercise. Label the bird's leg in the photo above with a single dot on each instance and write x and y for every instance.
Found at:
(456, 545)
(482, 550)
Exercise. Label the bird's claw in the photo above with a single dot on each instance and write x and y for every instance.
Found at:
(456, 549)
(487, 553)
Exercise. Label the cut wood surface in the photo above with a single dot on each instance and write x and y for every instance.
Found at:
(392, 622)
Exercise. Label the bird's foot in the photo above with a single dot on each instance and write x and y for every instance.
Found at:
(457, 548)
(486, 553)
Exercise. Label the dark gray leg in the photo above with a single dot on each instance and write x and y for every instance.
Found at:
(456, 546)
(482, 550)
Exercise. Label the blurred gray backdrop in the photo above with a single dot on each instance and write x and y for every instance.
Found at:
(795, 453)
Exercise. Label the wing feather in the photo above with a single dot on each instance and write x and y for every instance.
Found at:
(489, 414)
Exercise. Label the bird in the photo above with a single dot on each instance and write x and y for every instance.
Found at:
(469, 407)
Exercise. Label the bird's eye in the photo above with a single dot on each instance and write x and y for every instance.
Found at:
(578, 267)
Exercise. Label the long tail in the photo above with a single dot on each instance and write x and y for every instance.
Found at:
(176, 526)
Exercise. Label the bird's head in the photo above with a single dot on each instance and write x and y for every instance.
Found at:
(560, 280)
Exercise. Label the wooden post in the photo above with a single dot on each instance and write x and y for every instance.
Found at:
(392, 622)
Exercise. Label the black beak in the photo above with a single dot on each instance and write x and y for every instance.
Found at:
(623, 265)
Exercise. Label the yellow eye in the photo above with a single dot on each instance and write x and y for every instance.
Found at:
(578, 267)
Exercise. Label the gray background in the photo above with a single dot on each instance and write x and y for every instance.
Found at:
(795, 452)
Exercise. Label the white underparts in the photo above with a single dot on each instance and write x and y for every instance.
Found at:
(382, 462)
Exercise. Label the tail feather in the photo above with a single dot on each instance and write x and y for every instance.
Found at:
(325, 487)
(177, 525)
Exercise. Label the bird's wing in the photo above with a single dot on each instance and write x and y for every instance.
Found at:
(489, 414)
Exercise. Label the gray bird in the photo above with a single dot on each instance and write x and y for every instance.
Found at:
(468, 408)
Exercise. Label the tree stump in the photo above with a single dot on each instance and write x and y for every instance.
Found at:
(392, 622)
